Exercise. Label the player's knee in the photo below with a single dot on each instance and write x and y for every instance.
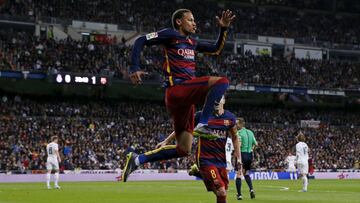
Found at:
(222, 80)
(184, 143)
(221, 192)
(218, 81)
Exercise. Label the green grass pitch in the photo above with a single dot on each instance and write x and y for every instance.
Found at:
(336, 191)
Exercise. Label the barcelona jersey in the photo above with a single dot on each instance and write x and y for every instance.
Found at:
(212, 151)
(179, 53)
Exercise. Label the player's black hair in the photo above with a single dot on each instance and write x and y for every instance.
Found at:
(178, 14)
(54, 138)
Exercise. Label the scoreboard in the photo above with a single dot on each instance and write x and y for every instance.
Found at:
(80, 79)
(59, 78)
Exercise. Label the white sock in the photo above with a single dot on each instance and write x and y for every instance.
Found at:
(137, 161)
(56, 178)
(305, 182)
(48, 179)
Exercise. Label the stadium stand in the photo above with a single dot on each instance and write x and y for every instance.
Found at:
(21, 51)
(97, 139)
(297, 20)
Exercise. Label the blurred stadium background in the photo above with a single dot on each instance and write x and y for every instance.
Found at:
(293, 65)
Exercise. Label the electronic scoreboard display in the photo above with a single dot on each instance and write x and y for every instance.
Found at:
(80, 79)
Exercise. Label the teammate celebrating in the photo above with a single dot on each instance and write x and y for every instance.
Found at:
(302, 156)
(290, 160)
(211, 151)
(52, 163)
(183, 89)
(248, 143)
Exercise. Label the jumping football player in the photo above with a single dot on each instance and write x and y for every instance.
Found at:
(183, 89)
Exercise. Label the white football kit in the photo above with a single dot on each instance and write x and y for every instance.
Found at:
(52, 160)
(290, 160)
(229, 147)
(302, 157)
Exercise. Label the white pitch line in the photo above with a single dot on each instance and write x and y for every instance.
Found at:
(282, 188)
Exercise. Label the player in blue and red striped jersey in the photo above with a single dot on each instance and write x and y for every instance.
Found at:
(183, 89)
(211, 153)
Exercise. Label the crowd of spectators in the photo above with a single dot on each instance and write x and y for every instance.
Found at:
(330, 148)
(280, 71)
(22, 51)
(98, 135)
(300, 24)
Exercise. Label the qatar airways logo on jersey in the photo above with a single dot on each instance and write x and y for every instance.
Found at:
(186, 53)
(218, 133)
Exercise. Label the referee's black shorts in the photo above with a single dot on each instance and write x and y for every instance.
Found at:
(246, 159)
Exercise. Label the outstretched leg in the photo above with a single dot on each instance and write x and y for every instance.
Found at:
(183, 148)
(180, 100)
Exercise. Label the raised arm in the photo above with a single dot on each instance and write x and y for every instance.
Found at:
(224, 22)
(213, 48)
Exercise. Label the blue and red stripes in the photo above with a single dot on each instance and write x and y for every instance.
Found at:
(212, 152)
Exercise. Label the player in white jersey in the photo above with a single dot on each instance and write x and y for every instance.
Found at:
(52, 162)
(290, 160)
(229, 148)
(302, 157)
